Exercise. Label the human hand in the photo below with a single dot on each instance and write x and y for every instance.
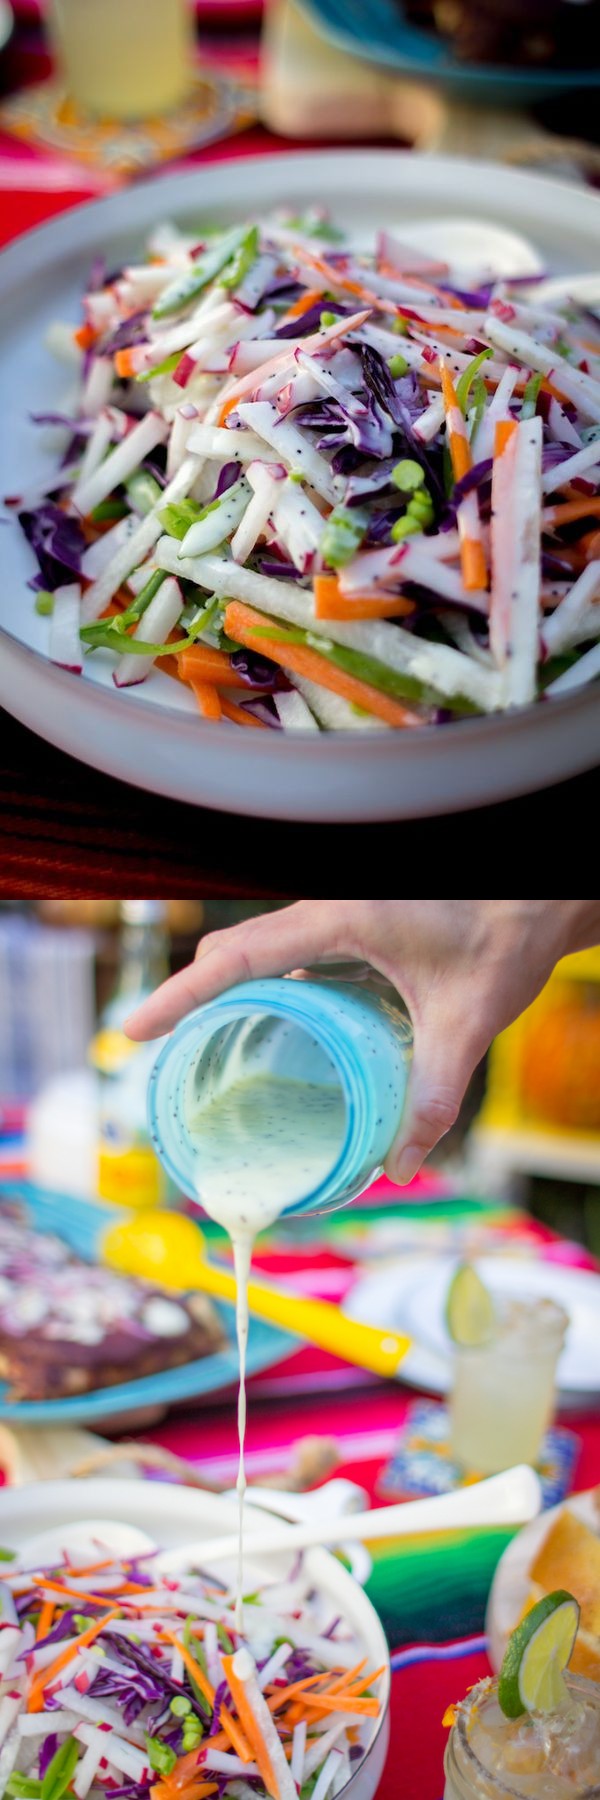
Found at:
(465, 968)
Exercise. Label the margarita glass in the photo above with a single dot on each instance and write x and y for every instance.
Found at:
(547, 1756)
(502, 1395)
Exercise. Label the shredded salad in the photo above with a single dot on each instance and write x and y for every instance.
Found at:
(120, 1684)
(328, 490)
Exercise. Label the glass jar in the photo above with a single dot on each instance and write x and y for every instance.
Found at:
(326, 1032)
(549, 1757)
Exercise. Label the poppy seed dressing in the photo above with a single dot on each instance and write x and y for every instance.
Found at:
(262, 1144)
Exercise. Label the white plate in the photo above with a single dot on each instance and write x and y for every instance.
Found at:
(410, 1295)
(175, 1515)
(151, 735)
(511, 1584)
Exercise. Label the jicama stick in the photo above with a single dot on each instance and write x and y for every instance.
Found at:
(573, 382)
(122, 461)
(584, 460)
(582, 672)
(437, 664)
(515, 538)
(134, 552)
(331, 711)
(558, 628)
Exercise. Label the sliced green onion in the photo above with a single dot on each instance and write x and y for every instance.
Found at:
(407, 476)
(400, 327)
(192, 281)
(530, 394)
(404, 528)
(160, 1756)
(165, 367)
(178, 517)
(343, 535)
(464, 385)
(397, 366)
(243, 259)
(144, 490)
(180, 1706)
(44, 604)
(328, 318)
(108, 509)
(61, 1770)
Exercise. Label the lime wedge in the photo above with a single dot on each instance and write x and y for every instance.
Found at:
(470, 1315)
(531, 1677)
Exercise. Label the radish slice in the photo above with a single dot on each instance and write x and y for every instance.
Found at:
(65, 642)
(154, 627)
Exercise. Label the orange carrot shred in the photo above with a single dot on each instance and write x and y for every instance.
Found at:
(45, 1678)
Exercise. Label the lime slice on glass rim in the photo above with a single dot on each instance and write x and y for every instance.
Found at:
(470, 1312)
(531, 1677)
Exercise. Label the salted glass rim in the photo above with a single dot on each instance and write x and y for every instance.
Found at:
(475, 1768)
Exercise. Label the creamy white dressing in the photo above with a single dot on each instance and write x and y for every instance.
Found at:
(261, 1145)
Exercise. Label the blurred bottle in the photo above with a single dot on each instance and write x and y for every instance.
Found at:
(129, 1173)
(124, 59)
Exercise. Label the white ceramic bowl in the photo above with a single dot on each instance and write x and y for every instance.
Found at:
(151, 735)
(176, 1515)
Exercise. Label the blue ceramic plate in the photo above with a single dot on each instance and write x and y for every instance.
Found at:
(378, 31)
(79, 1223)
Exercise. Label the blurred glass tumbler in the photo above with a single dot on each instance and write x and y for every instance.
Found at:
(502, 1397)
(124, 59)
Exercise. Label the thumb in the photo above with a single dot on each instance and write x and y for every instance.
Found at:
(443, 1063)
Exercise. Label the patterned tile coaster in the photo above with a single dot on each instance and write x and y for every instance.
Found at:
(44, 117)
(422, 1461)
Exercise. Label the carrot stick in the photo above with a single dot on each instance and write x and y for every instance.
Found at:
(35, 1700)
(239, 716)
(193, 1667)
(251, 1727)
(330, 603)
(234, 1734)
(124, 363)
(341, 1702)
(302, 305)
(570, 510)
(505, 429)
(203, 663)
(44, 1624)
(208, 699)
(241, 622)
(59, 1587)
(85, 336)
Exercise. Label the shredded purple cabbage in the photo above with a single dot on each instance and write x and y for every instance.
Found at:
(57, 540)
(48, 1749)
(256, 670)
(132, 331)
(227, 476)
(473, 479)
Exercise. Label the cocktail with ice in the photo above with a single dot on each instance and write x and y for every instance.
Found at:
(504, 1366)
(535, 1730)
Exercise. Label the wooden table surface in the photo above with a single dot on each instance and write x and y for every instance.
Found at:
(66, 829)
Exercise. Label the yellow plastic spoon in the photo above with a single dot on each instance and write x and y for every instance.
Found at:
(169, 1248)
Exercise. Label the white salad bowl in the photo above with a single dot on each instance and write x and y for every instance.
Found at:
(151, 735)
(171, 1516)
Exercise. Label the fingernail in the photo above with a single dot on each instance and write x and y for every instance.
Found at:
(408, 1165)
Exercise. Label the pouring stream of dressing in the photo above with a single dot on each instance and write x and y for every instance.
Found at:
(262, 1144)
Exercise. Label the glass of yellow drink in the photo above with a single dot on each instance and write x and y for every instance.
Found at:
(124, 59)
(546, 1756)
(502, 1395)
